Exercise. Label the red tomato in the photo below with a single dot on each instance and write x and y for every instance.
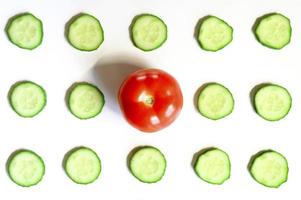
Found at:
(150, 99)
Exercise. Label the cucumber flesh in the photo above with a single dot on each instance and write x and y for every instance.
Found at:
(148, 164)
(85, 33)
(85, 100)
(273, 31)
(148, 32)
(215, 101)
(25, 31)
(272, 102)
(27, 98)
(214, 34)
(26, 168)
(213, 166)
(269, 168)
(82, 165)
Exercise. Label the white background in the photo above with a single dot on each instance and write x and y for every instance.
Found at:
(240, 66)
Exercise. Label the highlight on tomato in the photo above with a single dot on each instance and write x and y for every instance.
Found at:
(150, 99)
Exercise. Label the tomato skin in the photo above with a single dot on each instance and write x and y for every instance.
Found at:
(150, 99)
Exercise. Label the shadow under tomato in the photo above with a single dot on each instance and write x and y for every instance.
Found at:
(110, 74)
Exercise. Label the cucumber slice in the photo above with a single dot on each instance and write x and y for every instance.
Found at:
(25, 168)
(85, 100)
(214, 33)
(272, 102)
(147, 164)
(27, 98)
(85, 32)
(273, 30)
(215, 101)
(82, 165)
(148, 32)
(269, 168)
(25, 31)
(213, 166)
